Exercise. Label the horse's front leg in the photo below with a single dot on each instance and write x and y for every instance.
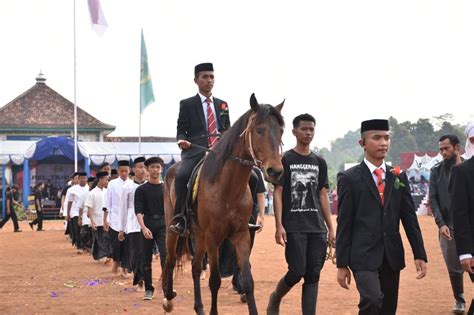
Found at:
(196, 271)
(167, 279)
(241, 241)
(215, 277)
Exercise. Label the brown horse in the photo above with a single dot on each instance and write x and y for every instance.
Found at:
(224, 202)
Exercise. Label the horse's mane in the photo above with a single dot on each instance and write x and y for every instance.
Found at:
(215, 160)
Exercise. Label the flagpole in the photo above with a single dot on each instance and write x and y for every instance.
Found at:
(140, 105)
(75, 105)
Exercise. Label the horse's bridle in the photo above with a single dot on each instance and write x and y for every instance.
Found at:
(248, 134)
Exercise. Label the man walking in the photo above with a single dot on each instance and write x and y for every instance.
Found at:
(38, 207)
(461, 186)
(303, 226)
(373, 199)
(94, 204)
(116, 213)
(449, 148)
(149, 208)
(10, 212)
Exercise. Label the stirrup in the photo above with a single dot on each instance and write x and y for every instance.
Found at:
(179, 219)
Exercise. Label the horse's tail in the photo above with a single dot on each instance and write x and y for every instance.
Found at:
(182, 248)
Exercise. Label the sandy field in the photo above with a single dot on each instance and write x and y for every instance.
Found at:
(40, 273)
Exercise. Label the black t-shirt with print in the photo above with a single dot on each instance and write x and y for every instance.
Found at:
(304, 177)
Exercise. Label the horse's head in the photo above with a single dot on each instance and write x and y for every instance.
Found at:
(263, 138)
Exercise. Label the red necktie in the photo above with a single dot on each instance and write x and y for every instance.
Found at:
(380, 183)
(211, 124)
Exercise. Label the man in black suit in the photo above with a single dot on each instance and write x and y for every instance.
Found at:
(373, 199)
(461, 187)
(201, 118)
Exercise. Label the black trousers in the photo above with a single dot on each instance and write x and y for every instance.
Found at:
(11, 215)
(74, 230)
(378, 290)
(38, 220)
(183, 174)
(305, 254)
(158, 229)
(135, 248)
(100, 243)
(117, 247)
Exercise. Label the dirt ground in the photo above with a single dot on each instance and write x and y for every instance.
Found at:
(41, 274)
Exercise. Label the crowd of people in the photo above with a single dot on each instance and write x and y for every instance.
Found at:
(119, 216)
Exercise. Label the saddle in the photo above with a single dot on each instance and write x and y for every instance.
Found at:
(191, 196)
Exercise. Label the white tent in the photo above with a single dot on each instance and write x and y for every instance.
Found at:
(97, 152)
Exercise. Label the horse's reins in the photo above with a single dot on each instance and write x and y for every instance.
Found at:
(256, 162)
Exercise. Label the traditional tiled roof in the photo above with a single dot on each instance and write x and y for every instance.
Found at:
(41, 107)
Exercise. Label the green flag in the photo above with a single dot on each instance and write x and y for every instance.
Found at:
(146, 87)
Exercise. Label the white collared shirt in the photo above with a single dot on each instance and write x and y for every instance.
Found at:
(372, 168)
(204, 108)
(85, 218)
(95, 202)
(74, 195)
(132, 221)
(116, 203)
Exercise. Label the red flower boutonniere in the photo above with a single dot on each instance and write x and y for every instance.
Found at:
(224, 107)
(396, 171)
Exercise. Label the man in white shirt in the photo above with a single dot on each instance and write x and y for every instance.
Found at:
(94, 206)
(115, 218)
(133, 227)
(85, 230)
(74, 197)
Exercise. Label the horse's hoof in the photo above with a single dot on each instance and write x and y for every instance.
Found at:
(167, 305)
(243, 298)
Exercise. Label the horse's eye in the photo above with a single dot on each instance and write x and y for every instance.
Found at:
(259, 131)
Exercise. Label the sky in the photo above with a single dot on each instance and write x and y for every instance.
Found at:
(341, 61)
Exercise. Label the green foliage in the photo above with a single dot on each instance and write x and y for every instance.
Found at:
(406, 137)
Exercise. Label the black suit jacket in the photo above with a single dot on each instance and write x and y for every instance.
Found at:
(368, 230)
(461, 188)
(192, 123)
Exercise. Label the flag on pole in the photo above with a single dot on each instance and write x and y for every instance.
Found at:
(99, 24)
(146, 87)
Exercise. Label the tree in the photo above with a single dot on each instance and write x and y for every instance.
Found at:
(425, 136)
(401, 141)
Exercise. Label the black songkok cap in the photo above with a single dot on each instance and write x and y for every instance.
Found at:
(101, 174)
(74, 174)
(123, 163)
(90, 179)
(113, 172)
(203, 67)
(82, 174)
(139, 160)
(154, 160)
(374, 124)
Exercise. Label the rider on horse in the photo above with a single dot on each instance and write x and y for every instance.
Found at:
(201, 119)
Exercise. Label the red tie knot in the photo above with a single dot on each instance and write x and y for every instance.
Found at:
(378, 172)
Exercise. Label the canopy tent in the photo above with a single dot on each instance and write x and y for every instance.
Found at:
(21, 152)
(100, 152)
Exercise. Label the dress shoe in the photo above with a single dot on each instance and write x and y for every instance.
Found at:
(177, 228)
(254, 227)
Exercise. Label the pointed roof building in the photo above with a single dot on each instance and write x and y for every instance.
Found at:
(41, 112)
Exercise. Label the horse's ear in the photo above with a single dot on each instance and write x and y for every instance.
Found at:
(280, 106)
(254, 103)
